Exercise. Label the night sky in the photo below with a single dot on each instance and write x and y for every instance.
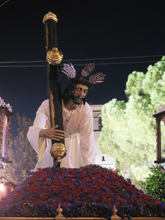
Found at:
(120, 36)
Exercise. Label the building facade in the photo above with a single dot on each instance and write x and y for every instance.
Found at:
(5, 123)
(103, 160)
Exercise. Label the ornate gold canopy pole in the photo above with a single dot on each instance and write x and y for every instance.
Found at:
(54, 58)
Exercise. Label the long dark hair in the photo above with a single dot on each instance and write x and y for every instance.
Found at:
(68, 92)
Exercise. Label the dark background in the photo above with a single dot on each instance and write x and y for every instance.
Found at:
(120, 36)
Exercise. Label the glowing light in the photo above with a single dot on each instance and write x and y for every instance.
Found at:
(2, 187)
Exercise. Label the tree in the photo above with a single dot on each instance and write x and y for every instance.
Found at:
(155, 183)
(129, 130)
(23, 156)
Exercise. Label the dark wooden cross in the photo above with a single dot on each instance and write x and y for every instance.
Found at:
(54, 58)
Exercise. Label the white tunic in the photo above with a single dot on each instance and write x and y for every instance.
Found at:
(79, 137)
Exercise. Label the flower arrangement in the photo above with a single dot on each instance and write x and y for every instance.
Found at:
(88, 191)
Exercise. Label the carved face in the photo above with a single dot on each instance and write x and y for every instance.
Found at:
(79, 93)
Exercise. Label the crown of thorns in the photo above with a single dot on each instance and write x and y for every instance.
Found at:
(70, 71)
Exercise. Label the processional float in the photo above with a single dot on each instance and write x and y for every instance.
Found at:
(54, 58)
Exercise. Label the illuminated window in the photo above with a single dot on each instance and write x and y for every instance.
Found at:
(2, 187)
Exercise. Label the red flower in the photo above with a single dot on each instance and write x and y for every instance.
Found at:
(44, 197)
(86, 179)
(51, 186)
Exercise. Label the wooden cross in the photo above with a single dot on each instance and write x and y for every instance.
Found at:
(54, 58)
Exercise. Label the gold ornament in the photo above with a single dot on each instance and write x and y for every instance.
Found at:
(58, 151)
(50, 15)
(54, 56)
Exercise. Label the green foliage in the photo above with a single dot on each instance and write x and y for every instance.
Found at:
(129, 130)
(23, 156)
(155, 183)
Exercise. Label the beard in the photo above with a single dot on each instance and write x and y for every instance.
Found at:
(77, 100)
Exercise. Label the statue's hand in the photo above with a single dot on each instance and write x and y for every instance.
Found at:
(52, 133)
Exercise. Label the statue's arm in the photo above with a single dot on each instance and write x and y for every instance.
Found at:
(41, 122)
